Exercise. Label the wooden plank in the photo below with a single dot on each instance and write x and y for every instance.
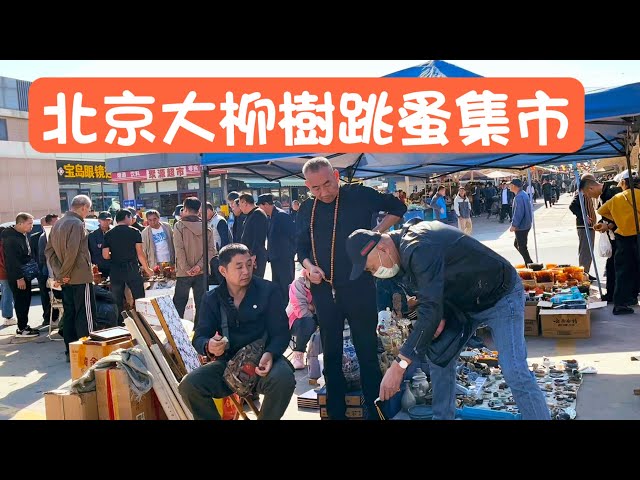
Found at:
(176, 334)
(152, 339)
(160, 386)
(170, 378)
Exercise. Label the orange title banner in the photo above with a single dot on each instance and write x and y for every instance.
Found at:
(292, 115)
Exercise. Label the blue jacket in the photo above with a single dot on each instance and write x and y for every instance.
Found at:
(438, 203)
(522, 215)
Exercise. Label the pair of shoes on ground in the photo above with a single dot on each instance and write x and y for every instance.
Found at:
(27, 332)
(9, 322)
(298, 360)
(622, 310)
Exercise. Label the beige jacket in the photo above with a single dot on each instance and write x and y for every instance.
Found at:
(149, 247)
(67, 250)
(187, 240)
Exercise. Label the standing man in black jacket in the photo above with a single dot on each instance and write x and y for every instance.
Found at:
(254, 232)
(17, 253)
(281, 242)
(96, 241)
(460, 284)
(252, 309)
(237, 222)
(322, 227)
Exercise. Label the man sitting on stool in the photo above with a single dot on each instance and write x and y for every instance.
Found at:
(253, 306)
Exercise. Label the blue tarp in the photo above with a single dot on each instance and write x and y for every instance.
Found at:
(607, 114)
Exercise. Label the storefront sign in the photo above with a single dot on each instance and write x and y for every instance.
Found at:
(173, 172)
(82, 171)
(132, 176)
(159, 174)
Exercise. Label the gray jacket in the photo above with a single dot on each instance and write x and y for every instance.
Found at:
(68, 250)
(149, 247)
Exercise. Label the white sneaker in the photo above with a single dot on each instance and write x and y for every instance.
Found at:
(9, 322)
(27, 332)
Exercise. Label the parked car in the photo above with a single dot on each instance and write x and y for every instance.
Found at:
(91, 224)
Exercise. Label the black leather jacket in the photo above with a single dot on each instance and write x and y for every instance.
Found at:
(445, 267)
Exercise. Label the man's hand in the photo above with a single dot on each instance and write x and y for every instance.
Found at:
(217, 345)
(512, 229)
(439, 329)
(266, 362)
(22, 285)
(412, 302)
(391, 381)
(149, 272)
(66, 280)
(601, 227)
(316, 274)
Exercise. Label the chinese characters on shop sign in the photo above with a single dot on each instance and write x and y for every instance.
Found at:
(290, 115)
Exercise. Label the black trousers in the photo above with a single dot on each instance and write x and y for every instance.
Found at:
(520, 243)
(122, 275)
(79, 303)
(610, 269)
(627, 270)
(301, 331)
(505, 210)
(21, 303)
(355, 301)
(181, 295)
(202, 385)
(282, 273)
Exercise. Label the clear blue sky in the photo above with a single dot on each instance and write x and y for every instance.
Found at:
(592, 73)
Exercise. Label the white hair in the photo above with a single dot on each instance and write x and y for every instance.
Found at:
(316, 164)
(80, 201)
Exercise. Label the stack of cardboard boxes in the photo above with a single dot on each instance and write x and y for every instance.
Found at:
(112, 399)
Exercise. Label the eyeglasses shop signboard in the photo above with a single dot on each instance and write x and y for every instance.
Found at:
(69, 171)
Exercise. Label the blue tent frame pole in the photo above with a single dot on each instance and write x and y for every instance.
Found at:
(586, 225)
(205, 238)
(533, 216)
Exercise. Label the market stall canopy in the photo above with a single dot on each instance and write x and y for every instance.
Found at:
(608, 114)
(500, 174)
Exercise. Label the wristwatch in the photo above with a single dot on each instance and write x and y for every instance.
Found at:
(403, 363)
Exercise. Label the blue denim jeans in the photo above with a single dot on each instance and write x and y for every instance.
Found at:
(7, 299)
(506, 322)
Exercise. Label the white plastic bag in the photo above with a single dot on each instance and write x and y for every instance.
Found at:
(605, 245)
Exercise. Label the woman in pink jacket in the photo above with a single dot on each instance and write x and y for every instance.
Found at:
(302, 320)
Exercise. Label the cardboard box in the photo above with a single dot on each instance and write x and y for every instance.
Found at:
(531, 319)
(565, 323)
(352, 413)
(84, 352)
(116, 401)
(64, 405)
(352, 399)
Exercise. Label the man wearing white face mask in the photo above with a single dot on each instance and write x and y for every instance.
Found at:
(460, 284)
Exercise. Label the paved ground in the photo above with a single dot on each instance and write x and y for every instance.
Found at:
(29, 368)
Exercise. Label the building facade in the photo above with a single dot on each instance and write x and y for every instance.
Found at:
(41, 183)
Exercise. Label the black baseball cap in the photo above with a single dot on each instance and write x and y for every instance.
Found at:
(104, 216)
(517, 182)
(359, 245)
(265, 198)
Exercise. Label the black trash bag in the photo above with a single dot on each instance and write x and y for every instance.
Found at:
(106, 309)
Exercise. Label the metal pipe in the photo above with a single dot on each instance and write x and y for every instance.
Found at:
(205, 238)
(586, 226)
(533, 216)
